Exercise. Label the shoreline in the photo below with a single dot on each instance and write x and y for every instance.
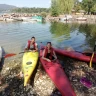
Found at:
(27, 16)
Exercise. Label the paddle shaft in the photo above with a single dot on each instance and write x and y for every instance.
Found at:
(90, 64)
(91, 59)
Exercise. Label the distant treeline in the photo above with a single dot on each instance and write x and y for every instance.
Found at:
(31, 10)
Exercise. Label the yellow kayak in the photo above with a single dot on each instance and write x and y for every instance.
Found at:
(28, 65)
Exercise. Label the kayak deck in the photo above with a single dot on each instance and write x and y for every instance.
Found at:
(29, 64)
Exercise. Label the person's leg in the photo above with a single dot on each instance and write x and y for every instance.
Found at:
(21, 74)
(0, 80)
(1, 65)
(0, 76)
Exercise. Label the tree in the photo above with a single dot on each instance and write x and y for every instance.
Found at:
(77, 5)
(94, 9)
(43, 14)
(61, 7)
(54, 8)
(88, 4)
(65, 6)
(30, 10)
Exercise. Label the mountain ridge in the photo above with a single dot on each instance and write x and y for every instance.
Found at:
(6, 7)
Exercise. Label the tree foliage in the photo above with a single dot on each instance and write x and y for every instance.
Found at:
(77, 5)
(54, 8)
(43, 14)
(93, 8)
(30, 10)
(89, 5)
(66, 6)
(61, 6)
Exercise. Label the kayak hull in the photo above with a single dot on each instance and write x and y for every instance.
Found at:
(57, 75)
(28, 65)
(76, 55)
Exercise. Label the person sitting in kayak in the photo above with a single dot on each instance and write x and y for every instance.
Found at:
(48, 53)
(31, 45)
(0, 65)
(2, 54)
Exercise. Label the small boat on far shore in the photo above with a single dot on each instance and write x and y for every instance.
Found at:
(1, 18)
(17, 19)
(37, 18)
(26, 18)
(8, 19)
(66, 18)
(81, 19)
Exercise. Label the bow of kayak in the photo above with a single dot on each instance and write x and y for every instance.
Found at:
(76, 55)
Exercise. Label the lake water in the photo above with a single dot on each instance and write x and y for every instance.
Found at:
(14, 35)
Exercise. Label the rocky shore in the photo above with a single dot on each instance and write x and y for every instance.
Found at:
(73, 18)
(41, 84)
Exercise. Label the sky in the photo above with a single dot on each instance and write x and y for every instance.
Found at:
(28, 3)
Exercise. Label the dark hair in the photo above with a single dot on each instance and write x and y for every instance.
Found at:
(49, 43)
(33, 37)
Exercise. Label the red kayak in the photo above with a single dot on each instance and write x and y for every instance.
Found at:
(57, 75)
(76, 55)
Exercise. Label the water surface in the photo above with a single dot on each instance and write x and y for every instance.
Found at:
(14, 35)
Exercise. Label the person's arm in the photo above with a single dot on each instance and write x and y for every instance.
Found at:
(36, 47)
(54, 55)
(26, 48)
(44, 57)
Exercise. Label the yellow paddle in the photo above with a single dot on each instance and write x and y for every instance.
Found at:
(91, 59)
(92, 56)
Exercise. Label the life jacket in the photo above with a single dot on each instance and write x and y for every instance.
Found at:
(51, 52)
(34, 44)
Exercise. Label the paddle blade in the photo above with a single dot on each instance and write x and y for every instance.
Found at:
(9, 55)
(87, 83)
